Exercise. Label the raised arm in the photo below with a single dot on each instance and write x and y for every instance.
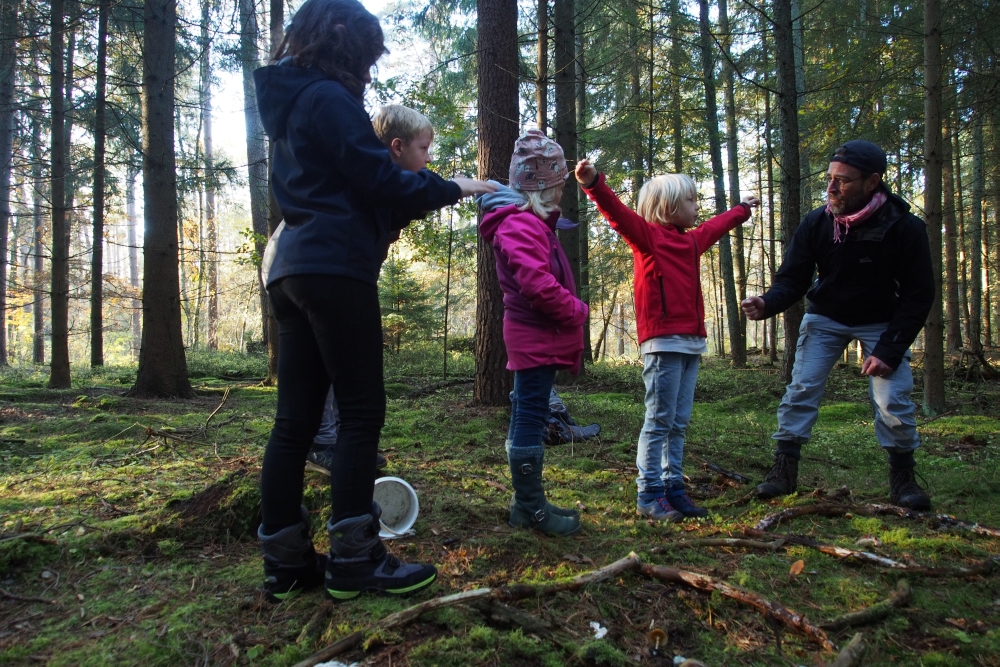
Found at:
(623, 220)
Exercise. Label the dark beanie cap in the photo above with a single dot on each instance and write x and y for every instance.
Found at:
(864, 155)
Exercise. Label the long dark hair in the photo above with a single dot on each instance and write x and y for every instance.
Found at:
(340, 37)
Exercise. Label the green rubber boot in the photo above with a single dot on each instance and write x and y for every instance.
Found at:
(530, 509)
(549, 507)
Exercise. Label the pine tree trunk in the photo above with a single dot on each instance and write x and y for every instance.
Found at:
(772, 260)
(676, 58)
(953, 320)
(583, 287)
(97, 252)
(789, 128)
(934, 396)
(59, 375)
(542, 79)
(737, 341)
(276, 29)
(162, 366)
(8, 65)
(38, 217)
(212, 272)
(498, 130)
(256, 142)
(976, 237)
(132, 223)
(733, 150)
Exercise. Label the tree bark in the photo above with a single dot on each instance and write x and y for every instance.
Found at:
(583, 287)
(277, 29)
(542, 80)
(97, 251)
(133, 256)
(737, 340)
(38, 217)
(789, 128)
(256, 142)
(953, 320)
(59, 374)
(772, 260)
(162, 366)
(498, 130)
(8, 65)
(212, 273)
(934, 396)
(676, 58)
(566, 134)
(976, 237)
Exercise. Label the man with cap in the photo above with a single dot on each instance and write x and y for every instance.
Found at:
(874, 283)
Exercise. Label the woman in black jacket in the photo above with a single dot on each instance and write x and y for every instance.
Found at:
(343, 200)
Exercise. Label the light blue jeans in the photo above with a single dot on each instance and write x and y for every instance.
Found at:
(327, 434)
(821, 344)
(670, 378)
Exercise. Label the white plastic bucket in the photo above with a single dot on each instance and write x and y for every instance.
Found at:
(399, 504)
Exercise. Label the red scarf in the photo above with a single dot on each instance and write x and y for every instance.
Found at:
(852, 219)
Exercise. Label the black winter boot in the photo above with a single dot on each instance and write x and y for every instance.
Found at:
(782, 479)
(529, 508)
(904, 490)
(291, 564)
(359, 561)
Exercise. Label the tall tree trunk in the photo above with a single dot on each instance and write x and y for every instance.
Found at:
(133, 256)
(953, 321)
(277, 30)
(800, 100)
(963, 273)
(566, 134)
(8, 65)
(934, 396)
(789, 128)
(212, 272)
(676, 58)
(772, 260)
(59, 375)
(97, 251)
(496, 24)
(584, 219)
(736, 334)
(256, 142)
(38, 263)
(162, 366)
(542, 80)
(976, 237)
(732, 151)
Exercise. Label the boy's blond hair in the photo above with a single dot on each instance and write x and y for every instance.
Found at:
(540, 202)
(660, 197)
(394, 121)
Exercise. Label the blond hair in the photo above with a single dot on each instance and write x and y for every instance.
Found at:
(660, 197)
(541, 202)
(394, 121)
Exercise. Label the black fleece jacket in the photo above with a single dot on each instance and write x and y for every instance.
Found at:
(342, 197)
(881, 272)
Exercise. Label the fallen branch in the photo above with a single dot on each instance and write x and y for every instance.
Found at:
(735, 476)
(876, 509)
(151, 433)
(10, 596)
(772, 520)
(773, 610)
(899, 598)
(852, 653)
(225, 396)
(436, 386)
(522, 591)
(734, 542)
(832, 549)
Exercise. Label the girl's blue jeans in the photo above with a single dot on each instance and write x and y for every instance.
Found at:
(529, 411)
(670, 378)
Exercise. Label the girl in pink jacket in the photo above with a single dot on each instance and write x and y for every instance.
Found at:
(543, 319)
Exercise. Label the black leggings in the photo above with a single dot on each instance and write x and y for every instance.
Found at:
(330, 331)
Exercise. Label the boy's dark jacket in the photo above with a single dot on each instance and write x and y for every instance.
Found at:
(332, 178)
(880, 272)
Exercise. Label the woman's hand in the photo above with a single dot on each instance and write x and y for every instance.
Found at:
(472, 186)
(751, 201)
(585, 172)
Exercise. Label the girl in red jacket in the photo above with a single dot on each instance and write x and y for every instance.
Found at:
(670, 318)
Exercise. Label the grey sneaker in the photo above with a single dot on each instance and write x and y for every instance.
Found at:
(320, 459)
(658, 509)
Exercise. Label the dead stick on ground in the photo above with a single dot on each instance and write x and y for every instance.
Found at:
(831, 549)
(722, 542)
(151, 432)
(852, 653)
(899, 598)
(827, 509)
(773, 610)
(225, 395)
(10, 596)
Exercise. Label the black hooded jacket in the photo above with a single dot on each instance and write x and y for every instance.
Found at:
(333, 179)
(880, 272)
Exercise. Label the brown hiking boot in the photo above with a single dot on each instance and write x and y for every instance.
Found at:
(904, 490)
(781, 480)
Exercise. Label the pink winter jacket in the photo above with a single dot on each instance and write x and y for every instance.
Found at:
(542, 319)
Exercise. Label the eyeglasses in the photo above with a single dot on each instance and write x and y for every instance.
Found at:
(841, 181)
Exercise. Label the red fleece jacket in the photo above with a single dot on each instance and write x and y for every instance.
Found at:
(668, 297)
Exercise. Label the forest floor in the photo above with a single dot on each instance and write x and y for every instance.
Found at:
(129, 530)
